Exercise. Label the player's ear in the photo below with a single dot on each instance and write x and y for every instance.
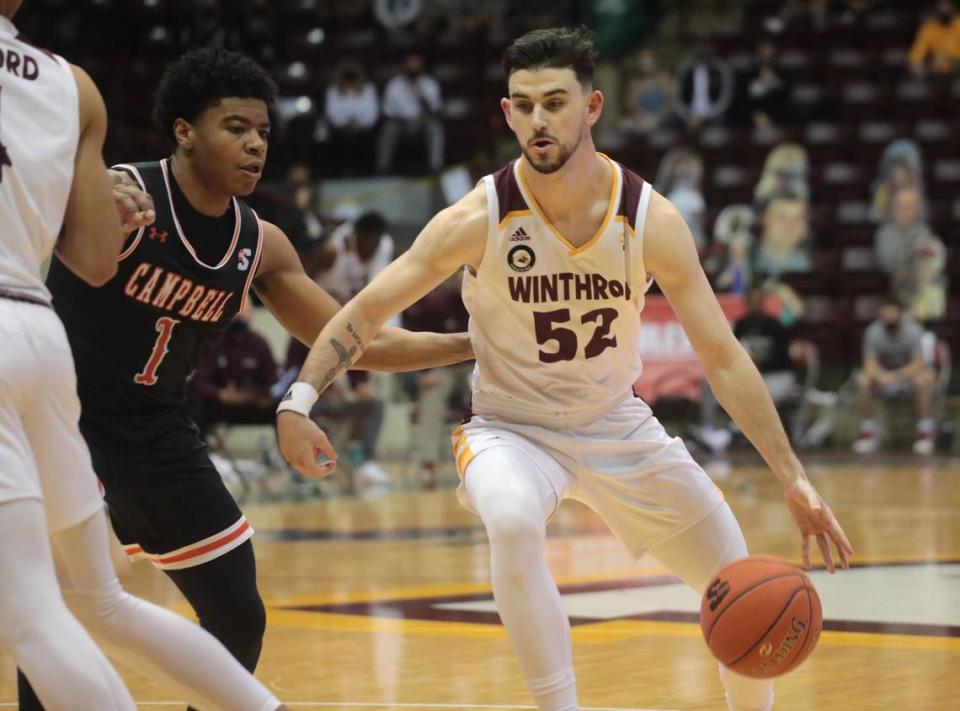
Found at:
(594, 106)
(507, 112)
(183, 133)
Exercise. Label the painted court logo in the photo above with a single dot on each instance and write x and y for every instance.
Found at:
(521, 258)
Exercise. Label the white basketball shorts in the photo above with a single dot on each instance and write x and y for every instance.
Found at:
(642, 482)
(42, 453)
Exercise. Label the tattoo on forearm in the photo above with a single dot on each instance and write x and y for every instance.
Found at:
(345, 357)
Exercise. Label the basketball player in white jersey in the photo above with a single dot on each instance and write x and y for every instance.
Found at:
(52, 128)
(559, 248)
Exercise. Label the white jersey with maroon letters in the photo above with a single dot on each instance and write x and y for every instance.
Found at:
(39, 131)
(555, 327)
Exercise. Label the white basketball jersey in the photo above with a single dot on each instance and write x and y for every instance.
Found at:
(39, 130)
(555, 327)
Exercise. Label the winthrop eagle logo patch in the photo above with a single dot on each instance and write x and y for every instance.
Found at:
(521, 258)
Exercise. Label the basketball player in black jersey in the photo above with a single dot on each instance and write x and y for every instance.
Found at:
(137, 339)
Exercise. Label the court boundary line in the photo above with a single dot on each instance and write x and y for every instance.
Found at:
(388, 705)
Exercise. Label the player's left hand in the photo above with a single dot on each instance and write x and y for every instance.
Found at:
(135, 207)
(814, 518)
(302, 442)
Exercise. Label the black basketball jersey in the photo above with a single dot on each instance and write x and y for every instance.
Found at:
(137, 339)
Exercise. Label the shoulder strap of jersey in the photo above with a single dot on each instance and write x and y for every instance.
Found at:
(250, 224)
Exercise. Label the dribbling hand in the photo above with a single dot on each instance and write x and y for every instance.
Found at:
(302, 442)
(814, 518)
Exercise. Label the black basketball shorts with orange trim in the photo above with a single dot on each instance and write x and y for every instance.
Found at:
(166, 500)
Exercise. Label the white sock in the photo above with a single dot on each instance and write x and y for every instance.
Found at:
(164, 645)
(514, 500)
(868, 427)
(925, 426)
(745, 693)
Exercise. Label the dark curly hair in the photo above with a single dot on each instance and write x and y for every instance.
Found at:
(554, 48)
(200, 78)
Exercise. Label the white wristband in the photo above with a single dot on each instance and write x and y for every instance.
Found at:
(299, 398)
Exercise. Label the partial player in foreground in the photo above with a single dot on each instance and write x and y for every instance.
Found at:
(52, 128)
(559, 249)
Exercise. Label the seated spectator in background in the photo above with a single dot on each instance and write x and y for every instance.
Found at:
(412, 108)
(355, 253)
(936, 47)
(352, 109)
(901, 166)
(815, 14)
(728, 260)
(768, 343)
(647, 94)
(352, 402)
(233, 382)
(767, 90)
(704, 89)
(679, 178)
(914, 258)
(783, 240)
(441, 311)
(293, 211)
(785, 173)
(893, 367)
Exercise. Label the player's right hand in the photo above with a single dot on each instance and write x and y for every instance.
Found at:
(302, 443)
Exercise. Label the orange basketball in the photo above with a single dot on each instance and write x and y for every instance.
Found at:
(761, 616)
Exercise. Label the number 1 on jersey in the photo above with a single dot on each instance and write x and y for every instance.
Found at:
(164, 328)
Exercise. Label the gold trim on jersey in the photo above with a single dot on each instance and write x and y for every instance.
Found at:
(512, 214)
(611, 207)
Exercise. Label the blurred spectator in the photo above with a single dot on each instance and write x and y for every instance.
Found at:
(293, 211)
(648, 94)
(352, 109)
(901, 166)
(355, 253)
(704, 89)
(783, 240)
(768, 343)
(412, 108)
(233, 382)
(349, 401)
(784, 175)
(814, 14)
(728, 261)
(679, 179)
(441, 311)
(768, 93)
(914, 258)
(893, 368)
(936, 47)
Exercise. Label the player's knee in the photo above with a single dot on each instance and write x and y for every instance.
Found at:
(515, 527)
(239, 618)
(22, 624)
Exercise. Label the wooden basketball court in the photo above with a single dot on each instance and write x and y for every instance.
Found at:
(386, 604)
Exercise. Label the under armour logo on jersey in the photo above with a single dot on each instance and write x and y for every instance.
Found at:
(161, 235)
(244, 259)
(519, 236)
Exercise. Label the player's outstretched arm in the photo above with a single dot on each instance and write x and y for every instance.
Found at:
(455, 237)
(671, 256)
(92, 235)
(304, 308)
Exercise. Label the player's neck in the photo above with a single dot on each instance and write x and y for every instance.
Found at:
(576, 186)
(212, 203)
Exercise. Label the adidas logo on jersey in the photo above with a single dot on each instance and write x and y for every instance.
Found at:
(519, 236)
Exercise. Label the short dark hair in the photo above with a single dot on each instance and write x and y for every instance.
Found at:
(371, 224)
(201, 77)
(557, 47)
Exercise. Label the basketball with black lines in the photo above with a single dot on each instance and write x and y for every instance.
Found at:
(761, 616)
